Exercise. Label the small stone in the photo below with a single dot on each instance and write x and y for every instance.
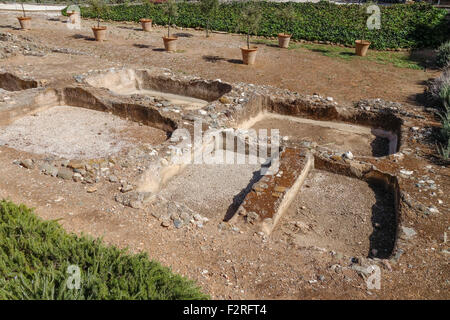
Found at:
(77, 177)
(280, 189)
(348, 155)
(126, 187)
(303, 227)
(177, 223)
(252, 217)
(49, 169)
(76, 164)
(136, 204)
(165, 223)
(408, 232)
(27, 163)
(80, 171)
(336, 268)
(406, 172)
(91, 189)
(65, 173)
(113, 179)
(224, 100)
(433, 209)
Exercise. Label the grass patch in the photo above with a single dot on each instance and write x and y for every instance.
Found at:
(399, 59)
(35, 256)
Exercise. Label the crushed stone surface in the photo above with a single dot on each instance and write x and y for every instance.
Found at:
(72, 133)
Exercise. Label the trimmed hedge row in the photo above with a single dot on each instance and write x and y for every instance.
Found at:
(402, 26)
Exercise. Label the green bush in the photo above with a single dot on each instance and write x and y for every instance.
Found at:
(35, 255)
(402, 26)
(443, 56)
(444, 148)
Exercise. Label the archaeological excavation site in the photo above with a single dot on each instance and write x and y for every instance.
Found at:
(251, 184)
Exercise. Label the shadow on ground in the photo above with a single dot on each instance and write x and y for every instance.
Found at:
(384, 222)
(237, 199)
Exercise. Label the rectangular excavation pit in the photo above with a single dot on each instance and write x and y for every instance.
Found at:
(73, 123)
(213, 190)
(344, 214)
(337, 136)
(189, 94)
(76, 133)
(11, 82)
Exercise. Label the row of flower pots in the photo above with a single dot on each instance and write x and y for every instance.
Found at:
(170, 44)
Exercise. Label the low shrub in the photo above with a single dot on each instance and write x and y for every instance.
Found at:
(402, 26)
(436, 86)
(35, 256)
(443, 55)
(444, 146)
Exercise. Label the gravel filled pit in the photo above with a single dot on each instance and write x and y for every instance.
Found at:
(212, 189)
(76, 133)
(339, 137)
(343, 214)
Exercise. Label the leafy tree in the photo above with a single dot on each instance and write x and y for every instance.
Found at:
(171, 10)
(250, 19)
(148, 4)
(98, 7)
(209, 8)
(287, 16)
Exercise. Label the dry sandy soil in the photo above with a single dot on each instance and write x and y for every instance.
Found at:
(329, 224)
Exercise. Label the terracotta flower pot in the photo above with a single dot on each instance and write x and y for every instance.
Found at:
(361, 47)
(249, 55)
(170, 43)
(146, 24)
(25, 22)
(283, 40)
(99, 33)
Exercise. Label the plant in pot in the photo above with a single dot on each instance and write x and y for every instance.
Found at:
(209, 8)
(146, 23)
(249, 22)
(98, 7)
(25, 22)
(287, 15)
(362, 45)
(170, 8)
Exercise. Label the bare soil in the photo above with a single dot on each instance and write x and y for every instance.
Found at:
(341, 213)
(231, 263)
(76, 133)
(215, 57)
(358, 140)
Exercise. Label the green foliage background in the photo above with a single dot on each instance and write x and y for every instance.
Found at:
(35, 254)
(402, 26)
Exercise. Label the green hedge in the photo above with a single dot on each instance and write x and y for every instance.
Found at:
(35, 255)
(402, 26)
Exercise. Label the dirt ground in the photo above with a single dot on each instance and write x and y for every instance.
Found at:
(219, 56)
(358, 140)
(234, 263)
(340, 213)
